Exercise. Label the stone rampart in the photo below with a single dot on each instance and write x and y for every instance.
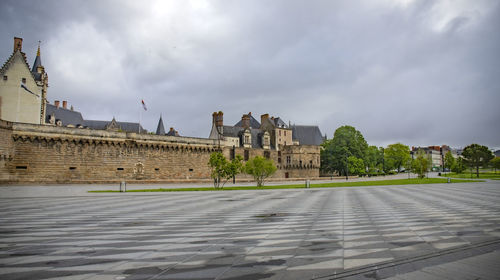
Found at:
(50, 154)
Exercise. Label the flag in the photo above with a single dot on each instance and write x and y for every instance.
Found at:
(144, 105)
(26, 89)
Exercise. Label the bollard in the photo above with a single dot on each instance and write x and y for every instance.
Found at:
(308, 183)
(449, 180)
(123, 186)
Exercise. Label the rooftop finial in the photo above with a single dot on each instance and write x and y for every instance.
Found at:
(38, 51)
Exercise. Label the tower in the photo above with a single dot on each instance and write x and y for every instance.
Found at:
(160, 130)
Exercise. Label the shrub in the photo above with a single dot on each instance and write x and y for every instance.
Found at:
(260, 168)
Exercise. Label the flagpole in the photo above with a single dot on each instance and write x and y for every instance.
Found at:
(140, 119)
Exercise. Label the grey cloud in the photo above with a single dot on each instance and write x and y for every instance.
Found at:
(381, 67)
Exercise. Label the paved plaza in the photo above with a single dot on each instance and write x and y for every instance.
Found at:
(440, 231)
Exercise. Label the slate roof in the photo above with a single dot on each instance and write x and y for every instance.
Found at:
(160, 130)
(38, 62)
(235, 131)
(278, 122)
(172, 132)
(66, 116)
(253, 123)
(307, 134)
(125, 126)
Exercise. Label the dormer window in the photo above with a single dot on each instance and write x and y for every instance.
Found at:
(266, 139)
(23, 80)
(247, 139)
(5, 77)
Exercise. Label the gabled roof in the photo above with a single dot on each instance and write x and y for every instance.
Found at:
(253, 122)
(66, 116)
(160, 129)
(9, 61)
(307, 135)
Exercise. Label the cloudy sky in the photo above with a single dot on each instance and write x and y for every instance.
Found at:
(416, 72)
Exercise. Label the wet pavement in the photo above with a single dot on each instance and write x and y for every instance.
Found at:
(440, 231)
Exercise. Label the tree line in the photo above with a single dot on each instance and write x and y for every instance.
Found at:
(348, 153)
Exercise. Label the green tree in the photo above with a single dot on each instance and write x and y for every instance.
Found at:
(495, 163)
(356, 166)
(477, 155)
(260, 168)
(449, 160)
(396, 156)
(409, 166)
(421, 164)
(222, 170)
(373, 158)
(346, 142)
(459, 166)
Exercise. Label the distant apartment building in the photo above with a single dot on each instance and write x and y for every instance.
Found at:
(436, 155)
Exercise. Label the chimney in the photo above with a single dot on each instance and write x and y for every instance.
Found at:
(56, 103)
(18, 44)
(245, 120)
(172, 129)
(218, 118)
(263, 118)
(65, 104)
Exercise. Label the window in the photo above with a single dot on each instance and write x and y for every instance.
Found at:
(288, 160)
(300, 163)
(279, 160)
(267, 154)
(231, 154)
(23, 80)
(247, 139)
(5, 77)
(285, 132)
(279, 153)
(72, 167)
(247, 154)
(279, 132)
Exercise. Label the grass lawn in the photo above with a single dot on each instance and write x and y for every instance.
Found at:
(325, 185)
(467, 175)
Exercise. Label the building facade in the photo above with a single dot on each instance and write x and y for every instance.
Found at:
(23, 90)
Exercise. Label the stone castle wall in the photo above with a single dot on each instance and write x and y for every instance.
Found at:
(48, 154)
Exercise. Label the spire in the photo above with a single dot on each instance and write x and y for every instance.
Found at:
(160, 130)
(38, 60)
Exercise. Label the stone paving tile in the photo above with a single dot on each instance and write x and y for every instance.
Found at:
(292, 234)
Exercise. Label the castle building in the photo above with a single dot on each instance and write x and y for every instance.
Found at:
(51, 143)
(23, 91)
(271, 133)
